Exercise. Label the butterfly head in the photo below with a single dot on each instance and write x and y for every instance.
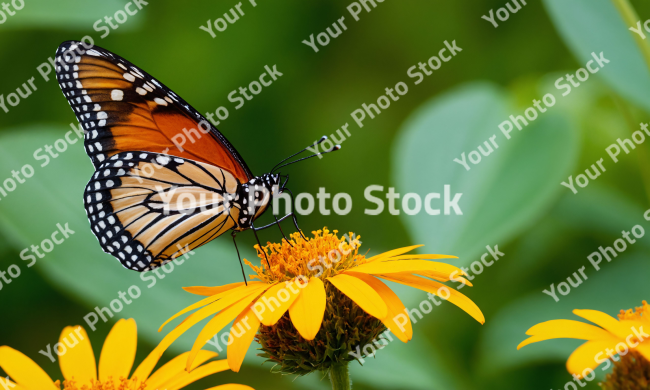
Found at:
(255, 197)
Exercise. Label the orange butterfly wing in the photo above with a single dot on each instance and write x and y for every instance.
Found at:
(147, 209)
(122, 108)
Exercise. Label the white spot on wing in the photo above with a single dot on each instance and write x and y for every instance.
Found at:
(136, 72)
(117, 94)
(163, 160)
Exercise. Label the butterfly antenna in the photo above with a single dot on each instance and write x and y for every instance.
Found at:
(323, 138)
(333, 149)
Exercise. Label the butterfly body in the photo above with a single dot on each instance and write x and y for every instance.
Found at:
(150, 200)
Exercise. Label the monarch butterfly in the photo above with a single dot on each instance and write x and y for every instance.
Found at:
(142, 199)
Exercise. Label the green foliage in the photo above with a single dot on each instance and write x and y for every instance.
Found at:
(69, 14)
(513, 198)
(596, 26)
(509, 189)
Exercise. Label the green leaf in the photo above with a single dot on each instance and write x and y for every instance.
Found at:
(419, 364)
(504, 193)
(596, 26)
(72, 14)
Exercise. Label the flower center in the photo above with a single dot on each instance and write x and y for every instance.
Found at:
(124, 384)
(631, 372)
(347, 333)
(346, 329)
(640, 314)
(322, 256)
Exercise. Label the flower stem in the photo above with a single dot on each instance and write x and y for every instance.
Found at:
(340, 377)
(630, 17)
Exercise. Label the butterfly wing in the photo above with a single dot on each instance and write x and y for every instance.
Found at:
(123, 108)
(147, 208)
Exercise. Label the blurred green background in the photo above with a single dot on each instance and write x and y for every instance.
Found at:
(513, 199)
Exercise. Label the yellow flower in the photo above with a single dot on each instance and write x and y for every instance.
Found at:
(609, 338)
(77, 363)
(318, 300)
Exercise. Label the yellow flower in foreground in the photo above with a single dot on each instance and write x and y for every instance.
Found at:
(626, 338)
(78, 366)
(319, 300)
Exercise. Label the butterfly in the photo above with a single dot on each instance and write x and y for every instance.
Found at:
(150, 201)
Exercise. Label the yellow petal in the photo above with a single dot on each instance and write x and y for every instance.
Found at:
(184, 378)
(231, 387)
(585, 355)
(397, 319)
(176, 366)
(248, 323)
(443, 276)
(150, 362)
(394, 252)
(439, 289)
(605, 321)
(308, 310)
(563, 329)
(24, 371)
(462, 280)
(217, 323)
(7, 384)
(423, 257)
(362, 294)
(439, 270)
(146, 366)
(210, 291)
(79, 361)
(211, 299)
(118, 352)
(271, 307)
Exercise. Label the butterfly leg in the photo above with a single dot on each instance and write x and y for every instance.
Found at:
(277, 222)
(295, 220)
(234, 234)
(254, 229)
